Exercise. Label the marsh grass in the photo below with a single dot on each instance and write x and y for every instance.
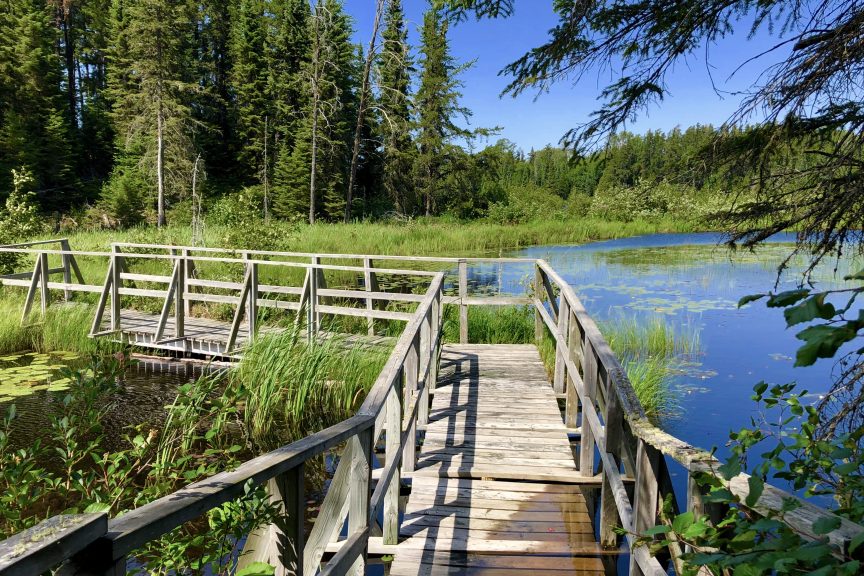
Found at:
(491, 324)
(650, 349)
(423, 236)
(289, 388)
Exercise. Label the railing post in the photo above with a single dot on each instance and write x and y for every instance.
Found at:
(361, 480)
(252, 302)
(425, 367)
(463, 301)
(115, 289)
(409, 372)
(435, 342)
(314, 316)
(319, 283)
(392, 448)
(614, 419)
(538, 294)
(189, 273)
(646, 494)
(574, 343)
(562, 348)
(289, 489)
(179, 299)
(65, 258)
(589, 381)
(43, 282)
(371, 283)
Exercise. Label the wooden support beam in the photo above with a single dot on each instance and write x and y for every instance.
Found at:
(370, 280)
(358, 497)
(463, 301)
(393, 452)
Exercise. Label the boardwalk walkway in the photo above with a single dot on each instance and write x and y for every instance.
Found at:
(482, 498)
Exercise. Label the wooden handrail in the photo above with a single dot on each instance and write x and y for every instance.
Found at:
(614, 419)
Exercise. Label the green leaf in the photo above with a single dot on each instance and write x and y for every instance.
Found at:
(750, 298)
(857, 276)
(730, 469)
(810, 309)
(756, 487)
(97, 507)
(856, 542)
(826, 524)
(682, 522)
(656, 531)
(257, 569)
(787, 298)
(822, 342)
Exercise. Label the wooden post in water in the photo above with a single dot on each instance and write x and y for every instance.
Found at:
(463, 301)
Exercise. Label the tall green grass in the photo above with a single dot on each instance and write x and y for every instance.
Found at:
(65, 327)
(650, 349)
(289, 388)
(424, 236)
(491, 324)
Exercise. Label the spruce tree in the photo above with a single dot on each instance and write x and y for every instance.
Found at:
(394, 83)
(249, 80)
(151, 88)
(437, 107)
(34, 126)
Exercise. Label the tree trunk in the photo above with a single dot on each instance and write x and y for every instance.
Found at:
(69, 57)
(160, 167)
(361, 108)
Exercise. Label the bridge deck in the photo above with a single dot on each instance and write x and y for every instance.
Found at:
(204, 336)
(482, 498)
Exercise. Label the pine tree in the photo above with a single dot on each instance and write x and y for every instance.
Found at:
(394, 81)
(151, 95)
(437, 107)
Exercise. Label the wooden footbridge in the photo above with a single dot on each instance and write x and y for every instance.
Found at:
(504, 471)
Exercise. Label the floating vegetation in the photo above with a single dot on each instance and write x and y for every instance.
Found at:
(24, 374)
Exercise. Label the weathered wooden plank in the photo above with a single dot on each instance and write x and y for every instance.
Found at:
(44, 546)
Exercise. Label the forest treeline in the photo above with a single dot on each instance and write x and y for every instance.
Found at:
(116, 112)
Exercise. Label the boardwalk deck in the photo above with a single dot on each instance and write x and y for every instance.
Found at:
(496, 490)
(204, 335)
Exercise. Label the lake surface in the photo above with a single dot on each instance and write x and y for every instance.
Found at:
(695, 283)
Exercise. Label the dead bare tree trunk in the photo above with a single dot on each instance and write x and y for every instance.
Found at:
(266, 171)
(361, 107)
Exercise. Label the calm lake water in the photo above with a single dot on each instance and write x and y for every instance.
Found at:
(695, 284)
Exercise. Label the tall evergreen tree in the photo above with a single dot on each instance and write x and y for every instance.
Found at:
(437, 108)
(151, 96)
(320, 154)
(394, 82)
(249, 79)
(34, 124)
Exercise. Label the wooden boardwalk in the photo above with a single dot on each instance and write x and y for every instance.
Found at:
(496, 489)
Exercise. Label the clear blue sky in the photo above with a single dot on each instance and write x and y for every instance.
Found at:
(534, 123)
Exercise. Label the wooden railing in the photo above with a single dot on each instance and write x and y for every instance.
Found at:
(396, 404)
(601, 401)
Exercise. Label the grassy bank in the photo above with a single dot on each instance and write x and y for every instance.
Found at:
(427, 236)
(64, 327)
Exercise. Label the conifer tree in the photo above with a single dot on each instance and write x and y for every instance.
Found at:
(34, 127)
(249, 79)
(320, 153)
(394, 81)
(151, 96)
(437, 107)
